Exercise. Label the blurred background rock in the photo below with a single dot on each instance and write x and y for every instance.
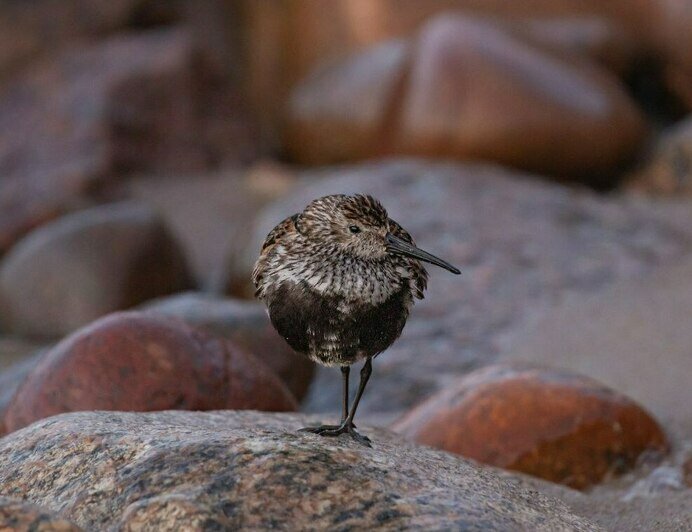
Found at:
(147, 146)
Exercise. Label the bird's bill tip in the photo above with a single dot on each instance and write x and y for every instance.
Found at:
(400, 247)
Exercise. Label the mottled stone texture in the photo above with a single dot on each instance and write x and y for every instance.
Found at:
(232, 470)
(551, 424)
(17, 515)
(247, 325)
(137, 361)
(521, 245)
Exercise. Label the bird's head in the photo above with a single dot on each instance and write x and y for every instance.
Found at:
(358, 226)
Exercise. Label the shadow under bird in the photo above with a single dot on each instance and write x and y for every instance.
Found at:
(338, 280)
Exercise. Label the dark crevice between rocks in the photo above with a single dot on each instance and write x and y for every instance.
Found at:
(645, 82)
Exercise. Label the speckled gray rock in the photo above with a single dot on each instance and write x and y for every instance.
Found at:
(245, 470)
(521, 244)
(17, 515)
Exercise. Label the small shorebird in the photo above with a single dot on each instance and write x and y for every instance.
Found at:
(339, 280)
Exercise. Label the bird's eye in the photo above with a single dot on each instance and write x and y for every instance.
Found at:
(354, 229)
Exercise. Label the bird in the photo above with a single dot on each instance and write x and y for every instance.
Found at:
(338, 280)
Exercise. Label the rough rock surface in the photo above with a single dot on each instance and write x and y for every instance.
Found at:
(87, 264)
(137, 361)
(17, 515)
(232, 470)
(552, 424)
(247, 325)
(449, 93)
(522, 245)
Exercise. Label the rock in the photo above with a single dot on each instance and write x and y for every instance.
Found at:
(674, 44)
(522, 246)
(551, 424)
(244, 470)
(633, 336)
(16, 514)
(341, 113)
(13, 350)
(28, 29)
(84, 265)
(589, 36)
(452, 96)
(211, 215)
(138, 361)
(72, 123)
(247, 325)
(289, 39)
(668, 168)
(11, 378)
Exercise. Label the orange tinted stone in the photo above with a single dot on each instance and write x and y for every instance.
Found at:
(135, 361)
(551, 424)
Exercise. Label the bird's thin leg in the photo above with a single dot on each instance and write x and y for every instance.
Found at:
(322, 429)
(365, 373)
(347, 425)
(345, 371)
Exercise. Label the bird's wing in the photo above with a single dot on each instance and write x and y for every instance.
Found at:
(288, 225)
(275, 235)
(419, 275)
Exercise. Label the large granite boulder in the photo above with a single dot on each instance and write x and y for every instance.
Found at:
(18, 515)
(235, 470)
(522, 245)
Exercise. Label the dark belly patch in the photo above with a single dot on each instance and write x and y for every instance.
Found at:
(312, 323)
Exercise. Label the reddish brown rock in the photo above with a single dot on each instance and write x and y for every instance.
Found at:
(18, 515)
(142, 362)
(291, 38)
(554, 425)
(247, 325)
(454, 95)
(84, 265)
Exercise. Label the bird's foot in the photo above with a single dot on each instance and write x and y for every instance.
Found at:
(336, 430)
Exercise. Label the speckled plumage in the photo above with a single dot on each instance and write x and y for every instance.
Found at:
(337, 297)
(339, 279)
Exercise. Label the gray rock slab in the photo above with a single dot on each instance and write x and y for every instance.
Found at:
(233, 470)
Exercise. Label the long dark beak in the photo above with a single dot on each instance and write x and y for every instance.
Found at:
(399, 247)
